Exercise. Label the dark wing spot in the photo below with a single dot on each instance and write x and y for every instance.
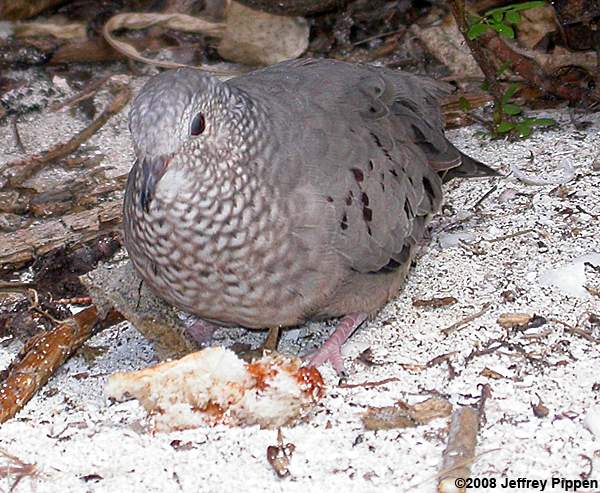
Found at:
(367, 214)
(349, 198)
(394, 172)
(365, 198)
(359, 176)
(380, 145)
(329, 198)
(371, 165)
(344, 223)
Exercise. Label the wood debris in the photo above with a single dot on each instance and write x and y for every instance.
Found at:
(17, 172)
(435, 302)
(460, 451)
(43, 354)
(511, 320)
(466, 320)
(403, 415)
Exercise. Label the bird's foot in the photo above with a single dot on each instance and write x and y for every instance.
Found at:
(331, 350)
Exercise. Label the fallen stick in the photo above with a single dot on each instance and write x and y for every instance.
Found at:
(17, 172)
(43, 354)
(464, 321)
(17, 248)
(460, 451)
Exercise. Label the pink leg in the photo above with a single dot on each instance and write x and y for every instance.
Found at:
(331, 349)
(201, 331)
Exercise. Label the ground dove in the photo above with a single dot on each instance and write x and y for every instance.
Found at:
(296, 192)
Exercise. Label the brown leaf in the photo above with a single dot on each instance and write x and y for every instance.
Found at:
(539, 410)
(486, 372)
(279, 456)
(511, 320)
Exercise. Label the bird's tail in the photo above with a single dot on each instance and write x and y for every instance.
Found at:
(468, 168)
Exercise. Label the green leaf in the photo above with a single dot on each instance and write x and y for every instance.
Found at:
(515, 7)
(504, 30)
(498, 17)
(490, 13)
(504, 127)
(527, 5)
(476, 30)
(513, 17)
(510, 92)
(523, 129)
(463, 104)
(540, 122)
(511, 109)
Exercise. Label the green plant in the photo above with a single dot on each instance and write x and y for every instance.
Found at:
(500, 19)
(523, 127)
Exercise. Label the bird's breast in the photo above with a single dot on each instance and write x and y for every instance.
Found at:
(225, 253)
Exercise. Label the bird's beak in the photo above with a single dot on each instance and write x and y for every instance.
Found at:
(153, 169)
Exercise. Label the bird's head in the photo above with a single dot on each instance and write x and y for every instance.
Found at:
(185, 113)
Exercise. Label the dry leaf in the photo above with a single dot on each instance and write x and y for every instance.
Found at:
(253, 37)
(535, 25)
(486, 372)
(62, 31)
(178, 22)
(539, 410)
(446, 43)
(279, 456)
(510, 320)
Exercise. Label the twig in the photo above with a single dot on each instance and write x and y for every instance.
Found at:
(380, 35)
(43, 354)
(464, 321)
(511, 235)
(460, 450)
(459, 10)
(17, 468)
(18, 140)
(368, 385)
(484, 196)
(575, 330)
(17, 172)
(87, 92)
(78, 300)
(486, 393)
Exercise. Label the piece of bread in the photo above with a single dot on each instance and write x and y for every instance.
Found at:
(214, 386)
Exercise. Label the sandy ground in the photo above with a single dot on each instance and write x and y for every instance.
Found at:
(503, 252)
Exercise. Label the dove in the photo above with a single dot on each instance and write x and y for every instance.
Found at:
(292, 193)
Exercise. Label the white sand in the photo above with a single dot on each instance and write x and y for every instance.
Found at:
(79, 443)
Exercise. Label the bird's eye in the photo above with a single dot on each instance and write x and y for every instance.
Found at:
(198, 125)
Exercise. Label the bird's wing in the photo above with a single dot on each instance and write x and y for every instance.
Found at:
(369, 142)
